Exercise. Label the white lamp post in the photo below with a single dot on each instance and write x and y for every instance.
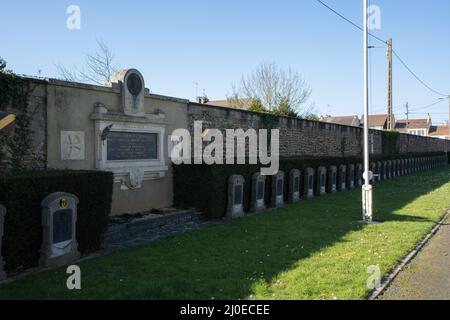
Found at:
(367, 187)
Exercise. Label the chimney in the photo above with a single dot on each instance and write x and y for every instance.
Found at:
(429, 122)
(202, 99)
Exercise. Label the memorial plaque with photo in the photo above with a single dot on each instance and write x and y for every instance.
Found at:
(62, 225)
(132, 146)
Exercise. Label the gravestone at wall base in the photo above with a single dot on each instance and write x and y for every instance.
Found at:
(394, 168)
(358, 173)
(351, 176)
(59, 217)
(385, 167)
(373, 169)
(294, 185)
(332, 179)
(309, 183)
(389, 170)
(2, 221)
(379, 171)
(235, 207)
(277, 196)
(258, 192)
(321, 181)
(342, 177)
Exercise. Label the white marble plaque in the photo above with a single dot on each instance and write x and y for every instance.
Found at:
(72, 145)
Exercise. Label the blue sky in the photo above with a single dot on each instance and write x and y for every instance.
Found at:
(177, 43)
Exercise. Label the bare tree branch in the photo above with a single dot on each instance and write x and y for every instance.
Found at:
(99, 67)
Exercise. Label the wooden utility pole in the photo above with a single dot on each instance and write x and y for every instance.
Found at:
(407, 115)
(390, 125)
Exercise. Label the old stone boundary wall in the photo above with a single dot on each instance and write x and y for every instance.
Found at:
(299, 137)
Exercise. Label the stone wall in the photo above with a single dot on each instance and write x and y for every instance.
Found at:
(36, 109)
(411, 143)
(300, 137)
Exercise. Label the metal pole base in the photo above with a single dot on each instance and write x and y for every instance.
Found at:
(367, 203)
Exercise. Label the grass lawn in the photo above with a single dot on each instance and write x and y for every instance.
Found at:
(311, 250)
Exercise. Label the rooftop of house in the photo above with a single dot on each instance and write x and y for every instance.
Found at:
(376, 120)
(439, 131)
(343, 120)
(412, 124)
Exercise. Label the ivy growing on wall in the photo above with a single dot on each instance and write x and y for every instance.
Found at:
(14, 96)
(389, 140)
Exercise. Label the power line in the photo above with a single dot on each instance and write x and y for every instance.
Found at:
(385, 42)
(429, 106)
(415, 75)
(351, 22)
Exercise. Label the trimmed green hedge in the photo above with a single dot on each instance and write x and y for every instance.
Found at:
(389, 142)
(22, 194)
(204, 187)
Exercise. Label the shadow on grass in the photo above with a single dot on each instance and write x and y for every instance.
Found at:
(227, 261)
